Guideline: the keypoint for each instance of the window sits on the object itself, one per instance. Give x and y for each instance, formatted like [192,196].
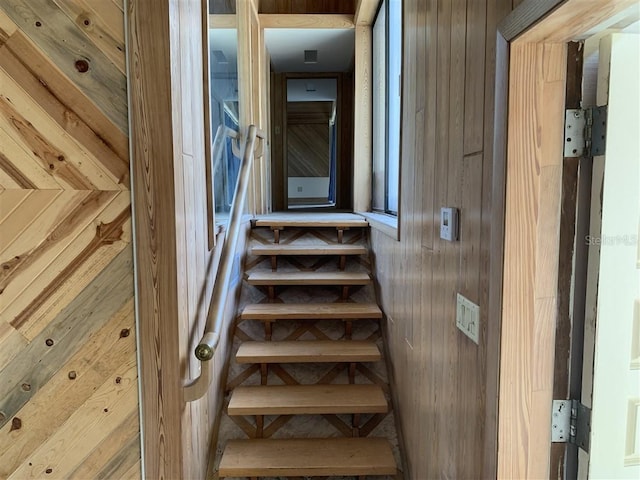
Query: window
[224,106]
[387,101]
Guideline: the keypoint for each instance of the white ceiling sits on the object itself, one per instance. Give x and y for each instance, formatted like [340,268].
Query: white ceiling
[335,49]
[286,47]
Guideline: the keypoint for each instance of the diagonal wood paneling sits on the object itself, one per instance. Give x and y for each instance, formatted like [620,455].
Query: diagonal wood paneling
[68,374]
[62,40]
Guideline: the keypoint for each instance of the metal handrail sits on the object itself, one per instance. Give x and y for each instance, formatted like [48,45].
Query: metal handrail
[205,350]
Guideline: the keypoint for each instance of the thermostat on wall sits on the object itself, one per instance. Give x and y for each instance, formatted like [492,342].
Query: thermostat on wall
[449,224]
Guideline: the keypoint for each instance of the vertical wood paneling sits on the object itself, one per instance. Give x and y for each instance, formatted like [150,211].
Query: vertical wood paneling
[68,373]
[445,390]
[474,96]
[362,125]
[175,264]
[307,6]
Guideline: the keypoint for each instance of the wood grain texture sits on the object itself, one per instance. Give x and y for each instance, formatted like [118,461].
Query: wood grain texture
[166,49]
[329,249]
[68,372]
[525,14]
[568,21]
[308,457]
[47,25]
[65,117]
[365,12]
[153,146]
[308,278]
[280,311]
[306,21]
[67,92]
[222,21]
[448,122]
[362,121]
[307,6]
[307,399]
[532,220]
[308,150]
[306,351]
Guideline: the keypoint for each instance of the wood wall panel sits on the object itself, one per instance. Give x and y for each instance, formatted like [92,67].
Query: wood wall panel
[308,150]
[176,268]
[68,373]
[446,390]
[307,6]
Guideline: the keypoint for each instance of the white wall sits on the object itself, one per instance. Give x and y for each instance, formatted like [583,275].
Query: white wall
[312,187]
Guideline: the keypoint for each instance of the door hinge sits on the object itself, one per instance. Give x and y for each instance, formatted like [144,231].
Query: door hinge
[585,132]
[571,423]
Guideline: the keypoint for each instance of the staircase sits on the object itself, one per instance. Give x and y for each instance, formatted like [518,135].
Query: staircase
[308,390]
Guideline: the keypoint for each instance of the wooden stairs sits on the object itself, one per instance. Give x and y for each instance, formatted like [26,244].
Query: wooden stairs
[353,453]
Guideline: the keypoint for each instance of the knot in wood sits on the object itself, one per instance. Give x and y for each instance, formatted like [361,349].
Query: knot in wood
[82,66]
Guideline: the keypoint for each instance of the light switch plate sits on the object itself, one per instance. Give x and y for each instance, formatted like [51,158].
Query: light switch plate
[468,318]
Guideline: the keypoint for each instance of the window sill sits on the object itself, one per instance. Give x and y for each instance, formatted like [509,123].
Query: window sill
[387,224]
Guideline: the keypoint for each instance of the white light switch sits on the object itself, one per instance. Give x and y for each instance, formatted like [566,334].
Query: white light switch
[468,318]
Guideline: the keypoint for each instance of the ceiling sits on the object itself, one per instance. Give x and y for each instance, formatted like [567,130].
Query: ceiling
[335,49]
[286,46]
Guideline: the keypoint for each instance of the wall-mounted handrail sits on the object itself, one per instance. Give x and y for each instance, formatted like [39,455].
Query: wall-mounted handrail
[205,350]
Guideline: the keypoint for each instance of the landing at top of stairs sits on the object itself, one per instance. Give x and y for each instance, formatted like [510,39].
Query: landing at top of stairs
[286,219]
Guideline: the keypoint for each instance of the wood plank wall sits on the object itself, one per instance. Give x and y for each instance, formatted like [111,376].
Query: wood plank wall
[176,269]
[307,6]
[446,388]
[68,378]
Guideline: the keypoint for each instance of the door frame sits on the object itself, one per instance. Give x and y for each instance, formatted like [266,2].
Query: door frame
[279,166]
[532,48]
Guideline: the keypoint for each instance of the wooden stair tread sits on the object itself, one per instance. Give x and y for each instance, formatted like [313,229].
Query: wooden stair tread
[308,278]
[297,249]
[308,351]
[307,399]
[302,311]
[307,457]
[338,220]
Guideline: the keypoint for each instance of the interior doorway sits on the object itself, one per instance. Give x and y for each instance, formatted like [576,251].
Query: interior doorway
[312,108]
[538,79]
[311,131]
